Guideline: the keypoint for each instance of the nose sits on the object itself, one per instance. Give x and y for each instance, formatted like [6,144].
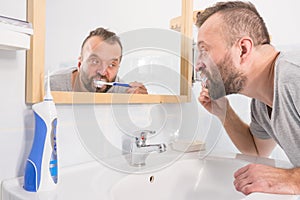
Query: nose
[102,70]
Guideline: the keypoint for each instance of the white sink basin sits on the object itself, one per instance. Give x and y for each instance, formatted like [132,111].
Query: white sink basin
[187,179]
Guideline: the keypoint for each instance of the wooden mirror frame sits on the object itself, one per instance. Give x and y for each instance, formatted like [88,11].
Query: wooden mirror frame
[36,14]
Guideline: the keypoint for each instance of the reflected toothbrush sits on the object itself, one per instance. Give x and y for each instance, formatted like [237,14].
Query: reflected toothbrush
[100,84]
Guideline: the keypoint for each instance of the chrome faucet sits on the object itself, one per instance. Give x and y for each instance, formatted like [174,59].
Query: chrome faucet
[140,150]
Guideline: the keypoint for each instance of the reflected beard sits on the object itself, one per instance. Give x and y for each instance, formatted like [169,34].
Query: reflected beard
[225,79]
[88,83]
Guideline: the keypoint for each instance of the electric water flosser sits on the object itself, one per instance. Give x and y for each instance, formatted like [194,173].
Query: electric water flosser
[41,169]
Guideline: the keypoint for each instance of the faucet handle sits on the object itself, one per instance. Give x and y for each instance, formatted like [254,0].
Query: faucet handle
[143,136]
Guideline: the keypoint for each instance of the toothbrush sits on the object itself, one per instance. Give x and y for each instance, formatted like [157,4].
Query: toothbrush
[201,79]
[101,83]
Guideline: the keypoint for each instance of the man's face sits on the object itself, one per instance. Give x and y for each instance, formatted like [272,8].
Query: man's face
[99,61]
[217,61]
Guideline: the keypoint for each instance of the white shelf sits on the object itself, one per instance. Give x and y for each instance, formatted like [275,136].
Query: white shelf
[14,34]
[12,40]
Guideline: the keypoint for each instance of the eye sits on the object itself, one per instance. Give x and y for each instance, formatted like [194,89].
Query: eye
[202,52]
[94,61]
[112,65]
[202,49]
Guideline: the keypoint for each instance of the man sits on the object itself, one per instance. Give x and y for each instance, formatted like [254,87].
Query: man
[100,58]
[235,56]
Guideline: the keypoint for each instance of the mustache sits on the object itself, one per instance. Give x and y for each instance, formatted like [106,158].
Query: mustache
[99,77]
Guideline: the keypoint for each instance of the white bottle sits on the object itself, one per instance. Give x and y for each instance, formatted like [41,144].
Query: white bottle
[41,171]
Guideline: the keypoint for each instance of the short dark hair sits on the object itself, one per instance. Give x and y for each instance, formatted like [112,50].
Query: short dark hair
[240,19]
[106,35]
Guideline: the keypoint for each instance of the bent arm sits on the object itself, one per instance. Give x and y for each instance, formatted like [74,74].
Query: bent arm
[240,134]
[238,131]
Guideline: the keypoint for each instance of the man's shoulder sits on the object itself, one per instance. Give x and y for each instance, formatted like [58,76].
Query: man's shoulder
[287,79]
[287,66]
[60,80]
[290,57]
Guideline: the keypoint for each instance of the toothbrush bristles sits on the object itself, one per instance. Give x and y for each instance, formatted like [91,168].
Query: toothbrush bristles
[98,84]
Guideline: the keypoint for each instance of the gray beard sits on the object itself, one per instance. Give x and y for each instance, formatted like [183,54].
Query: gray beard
[225,79]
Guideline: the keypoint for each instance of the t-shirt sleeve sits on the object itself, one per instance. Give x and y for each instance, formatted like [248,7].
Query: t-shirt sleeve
[255,128]
[61,79]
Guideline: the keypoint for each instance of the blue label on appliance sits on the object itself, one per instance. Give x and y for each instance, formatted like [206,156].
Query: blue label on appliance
[53,161]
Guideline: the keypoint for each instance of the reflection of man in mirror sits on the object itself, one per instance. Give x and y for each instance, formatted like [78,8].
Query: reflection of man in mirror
[101,54]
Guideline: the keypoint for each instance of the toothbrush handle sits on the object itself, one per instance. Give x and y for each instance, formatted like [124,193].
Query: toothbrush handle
[122,84]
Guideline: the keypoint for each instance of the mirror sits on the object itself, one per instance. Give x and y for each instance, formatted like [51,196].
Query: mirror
[49,51]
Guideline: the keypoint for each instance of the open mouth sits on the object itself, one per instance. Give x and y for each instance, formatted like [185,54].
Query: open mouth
[99,83]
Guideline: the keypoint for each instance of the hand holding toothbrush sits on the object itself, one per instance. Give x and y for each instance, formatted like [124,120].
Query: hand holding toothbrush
[137,88]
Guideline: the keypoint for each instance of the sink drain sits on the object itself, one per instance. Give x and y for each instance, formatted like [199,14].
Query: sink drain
[151,179]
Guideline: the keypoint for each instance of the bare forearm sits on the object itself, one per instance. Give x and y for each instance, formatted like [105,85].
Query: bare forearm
[295,181]
[239,132]
[266,179]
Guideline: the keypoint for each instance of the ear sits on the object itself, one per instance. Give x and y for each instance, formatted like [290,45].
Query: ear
[245,47]
[79,62]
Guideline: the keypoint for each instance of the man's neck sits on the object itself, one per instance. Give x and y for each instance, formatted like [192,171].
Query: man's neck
[260,84]
[74,77]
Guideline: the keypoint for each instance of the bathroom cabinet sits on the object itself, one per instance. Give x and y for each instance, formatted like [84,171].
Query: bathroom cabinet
[14,34]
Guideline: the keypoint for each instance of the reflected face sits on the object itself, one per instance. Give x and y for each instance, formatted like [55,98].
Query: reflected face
[99,61]
[217,61]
